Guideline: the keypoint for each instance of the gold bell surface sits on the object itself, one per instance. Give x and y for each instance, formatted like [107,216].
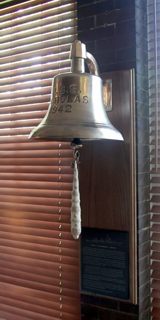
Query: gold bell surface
[76,108]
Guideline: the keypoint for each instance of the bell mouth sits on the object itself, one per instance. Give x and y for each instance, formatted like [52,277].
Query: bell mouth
[68,133]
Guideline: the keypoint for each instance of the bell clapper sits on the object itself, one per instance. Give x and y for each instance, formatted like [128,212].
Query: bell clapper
[75,207]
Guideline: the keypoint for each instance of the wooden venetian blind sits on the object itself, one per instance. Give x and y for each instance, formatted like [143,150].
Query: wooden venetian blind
[154,97]
[39,260]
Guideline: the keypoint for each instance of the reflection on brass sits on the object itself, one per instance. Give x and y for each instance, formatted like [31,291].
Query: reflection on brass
[107,94]
[76,109]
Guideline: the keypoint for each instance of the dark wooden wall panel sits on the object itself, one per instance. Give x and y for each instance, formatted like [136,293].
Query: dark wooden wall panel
[105,169]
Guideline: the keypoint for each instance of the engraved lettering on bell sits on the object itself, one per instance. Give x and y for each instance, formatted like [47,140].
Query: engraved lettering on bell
[77,98]
[63,98]
[55,98]
[63,90]
[54,109]
[68,108]
[74,89]
[85,99]
[62,108]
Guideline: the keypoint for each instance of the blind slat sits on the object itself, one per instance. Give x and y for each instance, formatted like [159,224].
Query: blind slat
[29,70]
[40,19]
[49,50]
[24,238]
[36,39]
[44,193]
[64,39]
[39,269]
[33,76]
[35,60]
[32,7]
[46,74]
[34,27]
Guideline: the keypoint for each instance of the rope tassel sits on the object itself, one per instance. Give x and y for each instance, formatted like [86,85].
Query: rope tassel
[75,208]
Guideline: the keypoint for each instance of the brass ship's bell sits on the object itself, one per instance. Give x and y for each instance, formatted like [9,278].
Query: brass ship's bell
[76,109]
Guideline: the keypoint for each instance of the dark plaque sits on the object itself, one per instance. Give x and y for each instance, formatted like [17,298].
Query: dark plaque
[105,263]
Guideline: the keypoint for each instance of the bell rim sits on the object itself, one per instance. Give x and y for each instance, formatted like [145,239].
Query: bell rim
[55,132]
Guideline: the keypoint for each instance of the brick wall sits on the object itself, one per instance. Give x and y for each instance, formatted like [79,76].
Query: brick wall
[154,94]
[143,169]
[108,29]
[115,33]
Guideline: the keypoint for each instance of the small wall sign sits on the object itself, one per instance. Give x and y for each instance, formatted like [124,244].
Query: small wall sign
[105,263]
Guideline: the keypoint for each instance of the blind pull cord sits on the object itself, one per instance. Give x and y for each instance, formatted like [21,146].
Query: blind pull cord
[60,245]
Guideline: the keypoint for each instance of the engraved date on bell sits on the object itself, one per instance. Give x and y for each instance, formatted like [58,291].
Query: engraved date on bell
[63,100]
[62,108]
